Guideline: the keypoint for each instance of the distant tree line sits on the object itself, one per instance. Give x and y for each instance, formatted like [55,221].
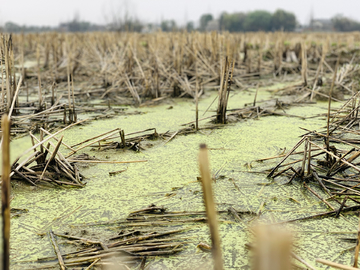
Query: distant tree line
[261,20]
[71,26]
[344,24]
[241,22]
[258,20]
[16,28]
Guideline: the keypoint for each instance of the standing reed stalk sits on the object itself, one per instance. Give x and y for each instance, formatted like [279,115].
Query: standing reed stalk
[2,80]
[196,96]
[224,90]
[257,90]
[357,247]
[39,75]
[309,157]
[329,106]
[5,190]
[6,44]
[324,51]
[22,57]
[304,64]
[68,56]
[272,249]
[305,155]
[210,206]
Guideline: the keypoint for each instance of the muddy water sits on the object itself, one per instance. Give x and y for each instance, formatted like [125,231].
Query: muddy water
[172,168]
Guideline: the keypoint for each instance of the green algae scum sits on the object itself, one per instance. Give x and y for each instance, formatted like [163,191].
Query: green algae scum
[106,175]
[169,179]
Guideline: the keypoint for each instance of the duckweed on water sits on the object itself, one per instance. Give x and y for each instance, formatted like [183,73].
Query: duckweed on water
[172,169]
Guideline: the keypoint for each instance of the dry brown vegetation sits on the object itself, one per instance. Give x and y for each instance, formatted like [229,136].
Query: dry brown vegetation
[70,70]
[49,79]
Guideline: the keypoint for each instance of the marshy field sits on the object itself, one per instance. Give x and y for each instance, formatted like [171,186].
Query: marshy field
[168,150]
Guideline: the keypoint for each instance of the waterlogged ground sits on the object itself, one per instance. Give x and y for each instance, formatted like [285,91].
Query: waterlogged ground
[172,169]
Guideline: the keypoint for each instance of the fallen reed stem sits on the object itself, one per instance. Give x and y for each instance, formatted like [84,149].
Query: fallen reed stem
[57,251]
[93,264]
[104,161]
[336,265]
[51,136]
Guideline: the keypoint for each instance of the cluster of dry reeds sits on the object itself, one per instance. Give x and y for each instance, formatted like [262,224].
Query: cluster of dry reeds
[61,73]
[329,166]
[144,234]
[329,157]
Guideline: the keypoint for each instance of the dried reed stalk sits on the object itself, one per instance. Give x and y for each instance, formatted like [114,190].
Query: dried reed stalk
[224,90]
[272,249]
[39,77]
[210,206]
[336,265]
[57,251]
[329,106]
[304,63]
[5,191]
[356,257]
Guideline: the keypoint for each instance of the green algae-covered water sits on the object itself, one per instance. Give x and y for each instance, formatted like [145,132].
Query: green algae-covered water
[172,169]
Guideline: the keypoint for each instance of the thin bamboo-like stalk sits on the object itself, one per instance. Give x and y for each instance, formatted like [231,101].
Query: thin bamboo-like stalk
[53,155]
[5,191]
[73,96]
[210,206]
[22,59]
[104,161]
[318,72]
[356,257]
[68,55]
[257,90]
[102,137]
[309,157]
[305,155]
[7,73]
[15,96]
[39,76]
[336,265]
[2,80]
[304,63]
[56,139]
[196,97]
[93,264]
[287,155]
[329,106]
[57,251]
[273,249]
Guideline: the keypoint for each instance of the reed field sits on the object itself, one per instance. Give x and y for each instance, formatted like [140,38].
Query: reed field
[167,150]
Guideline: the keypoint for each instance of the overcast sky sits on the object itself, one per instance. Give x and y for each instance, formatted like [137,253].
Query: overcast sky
[50,12]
